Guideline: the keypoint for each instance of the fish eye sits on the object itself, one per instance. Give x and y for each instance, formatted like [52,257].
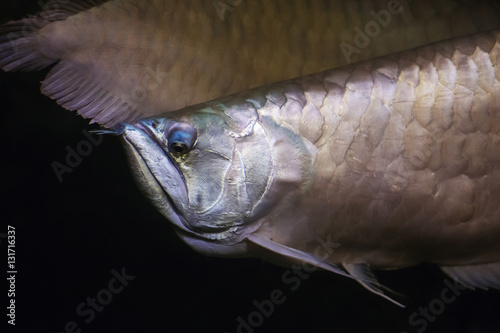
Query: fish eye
[181,139]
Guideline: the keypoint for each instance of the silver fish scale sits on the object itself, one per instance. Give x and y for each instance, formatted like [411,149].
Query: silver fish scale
[409,147]
[127,59]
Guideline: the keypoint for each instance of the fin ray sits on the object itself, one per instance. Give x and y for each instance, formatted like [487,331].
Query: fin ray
[367,279]
[296,254]
[484,276]
[74,92]
[70,87]
[19,47]
[360,273]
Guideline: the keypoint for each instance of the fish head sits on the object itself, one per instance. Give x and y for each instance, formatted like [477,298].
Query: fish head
[214,170]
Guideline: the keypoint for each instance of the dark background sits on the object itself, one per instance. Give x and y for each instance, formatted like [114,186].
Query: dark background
[70,236]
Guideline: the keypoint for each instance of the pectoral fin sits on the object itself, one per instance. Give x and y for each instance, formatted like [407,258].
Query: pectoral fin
[365,276]
[296,254]
[358,272]
[483,276]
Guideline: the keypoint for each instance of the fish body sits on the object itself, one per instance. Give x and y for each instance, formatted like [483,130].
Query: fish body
[125,59]
[393,160]
[396,160]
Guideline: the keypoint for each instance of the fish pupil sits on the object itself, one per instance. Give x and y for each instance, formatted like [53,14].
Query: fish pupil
[178,147]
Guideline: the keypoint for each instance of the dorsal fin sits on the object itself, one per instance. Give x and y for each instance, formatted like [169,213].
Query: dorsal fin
[483,276]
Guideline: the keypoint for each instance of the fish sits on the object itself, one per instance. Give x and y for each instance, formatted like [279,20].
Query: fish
[394,160]
[117,61]
[265,240]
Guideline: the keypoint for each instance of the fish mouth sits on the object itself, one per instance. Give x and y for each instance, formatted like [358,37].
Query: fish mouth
[157,176]
[140,126]
[164,185]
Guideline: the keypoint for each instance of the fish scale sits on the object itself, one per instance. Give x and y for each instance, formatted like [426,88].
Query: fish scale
[144,58]
[373,157]
[424,172]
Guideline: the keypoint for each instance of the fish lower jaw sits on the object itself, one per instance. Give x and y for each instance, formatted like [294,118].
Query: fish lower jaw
[151,187]
[214,247]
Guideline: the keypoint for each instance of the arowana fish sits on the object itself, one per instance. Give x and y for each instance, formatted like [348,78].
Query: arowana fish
[394,161]
[380,158]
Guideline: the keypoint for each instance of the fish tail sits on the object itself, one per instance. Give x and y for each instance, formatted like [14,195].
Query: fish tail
[20,47]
